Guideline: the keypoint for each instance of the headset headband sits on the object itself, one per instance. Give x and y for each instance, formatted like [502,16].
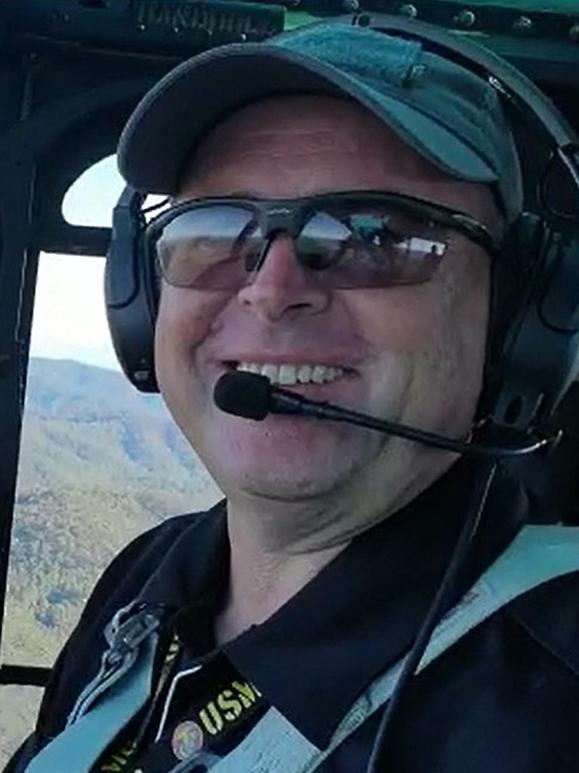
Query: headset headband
[510,82]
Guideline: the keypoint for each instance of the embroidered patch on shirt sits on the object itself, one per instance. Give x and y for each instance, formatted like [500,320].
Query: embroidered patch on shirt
[206,712]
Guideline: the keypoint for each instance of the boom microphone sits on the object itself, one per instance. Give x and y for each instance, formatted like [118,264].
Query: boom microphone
[252,396]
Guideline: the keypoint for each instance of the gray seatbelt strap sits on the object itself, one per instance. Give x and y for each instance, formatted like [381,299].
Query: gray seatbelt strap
[538,554]
[119,690]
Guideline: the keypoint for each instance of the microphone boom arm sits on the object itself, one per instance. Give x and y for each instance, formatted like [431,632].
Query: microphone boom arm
[282,401]
[252,396]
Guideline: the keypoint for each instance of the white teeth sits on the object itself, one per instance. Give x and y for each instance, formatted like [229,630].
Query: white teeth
[318,375]
[330,374]
[287,375]
[251,367]
[271,372]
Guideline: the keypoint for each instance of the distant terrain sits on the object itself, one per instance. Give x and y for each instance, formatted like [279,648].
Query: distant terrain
[99,464]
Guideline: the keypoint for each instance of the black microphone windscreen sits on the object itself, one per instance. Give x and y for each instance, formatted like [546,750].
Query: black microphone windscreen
[243,394]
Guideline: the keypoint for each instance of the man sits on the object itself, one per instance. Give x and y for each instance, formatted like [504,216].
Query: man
[316,575]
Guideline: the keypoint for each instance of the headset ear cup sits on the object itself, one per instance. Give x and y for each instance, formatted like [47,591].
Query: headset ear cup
[131,293]
[538,356]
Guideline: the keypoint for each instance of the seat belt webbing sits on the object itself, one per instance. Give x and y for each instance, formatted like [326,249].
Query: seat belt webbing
[79,746]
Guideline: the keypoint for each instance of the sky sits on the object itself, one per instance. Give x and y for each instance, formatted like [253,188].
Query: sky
[69,313]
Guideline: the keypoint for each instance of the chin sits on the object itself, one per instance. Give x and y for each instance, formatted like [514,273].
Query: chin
[291,467]
[290,488]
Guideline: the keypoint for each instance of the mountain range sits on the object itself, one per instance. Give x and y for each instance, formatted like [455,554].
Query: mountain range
[99,464]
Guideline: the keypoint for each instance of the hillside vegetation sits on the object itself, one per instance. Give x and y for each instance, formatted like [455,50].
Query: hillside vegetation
[99,464]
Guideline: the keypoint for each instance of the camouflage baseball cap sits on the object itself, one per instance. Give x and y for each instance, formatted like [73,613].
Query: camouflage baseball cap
[447,113]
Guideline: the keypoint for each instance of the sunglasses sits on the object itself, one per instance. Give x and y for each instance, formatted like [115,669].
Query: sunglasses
[352,239]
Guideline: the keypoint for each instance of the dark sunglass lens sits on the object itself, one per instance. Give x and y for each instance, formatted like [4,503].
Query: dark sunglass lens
[321,241]
[204,247]
[372,246]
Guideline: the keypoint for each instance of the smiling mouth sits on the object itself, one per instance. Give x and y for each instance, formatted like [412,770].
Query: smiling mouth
[285,374]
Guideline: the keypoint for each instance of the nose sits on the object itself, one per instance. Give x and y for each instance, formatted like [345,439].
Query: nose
[282,287]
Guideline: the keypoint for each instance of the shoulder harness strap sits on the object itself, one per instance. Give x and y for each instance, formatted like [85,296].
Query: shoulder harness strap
[110,700]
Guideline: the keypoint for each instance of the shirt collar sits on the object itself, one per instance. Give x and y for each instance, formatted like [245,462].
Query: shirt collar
[194,567]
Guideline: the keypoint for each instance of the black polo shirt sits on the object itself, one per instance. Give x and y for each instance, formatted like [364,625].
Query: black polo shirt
[504,699]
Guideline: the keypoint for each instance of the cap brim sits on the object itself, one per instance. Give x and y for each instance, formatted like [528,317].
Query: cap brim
[178,111]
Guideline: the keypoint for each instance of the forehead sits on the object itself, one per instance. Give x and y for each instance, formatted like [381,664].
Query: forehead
[297,145]
[293,130]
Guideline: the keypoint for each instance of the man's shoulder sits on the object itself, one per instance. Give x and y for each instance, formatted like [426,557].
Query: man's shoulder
[153,556]
[550,615]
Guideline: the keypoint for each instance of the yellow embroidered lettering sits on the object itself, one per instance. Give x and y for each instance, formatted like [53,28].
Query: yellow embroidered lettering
[118,761]
[111,767]
[245,692]
[214,723]
[231,707]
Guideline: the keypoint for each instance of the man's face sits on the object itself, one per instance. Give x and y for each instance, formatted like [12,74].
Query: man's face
[412,354]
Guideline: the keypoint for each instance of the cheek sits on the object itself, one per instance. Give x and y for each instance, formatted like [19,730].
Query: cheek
[184,321]
[454,362]
[466,321]
[397,319]
[427,343]
[398,328]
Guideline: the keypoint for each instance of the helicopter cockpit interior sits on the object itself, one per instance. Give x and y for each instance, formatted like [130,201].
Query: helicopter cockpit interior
[71,71]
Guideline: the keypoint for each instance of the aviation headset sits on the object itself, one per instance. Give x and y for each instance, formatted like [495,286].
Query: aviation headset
[533,348]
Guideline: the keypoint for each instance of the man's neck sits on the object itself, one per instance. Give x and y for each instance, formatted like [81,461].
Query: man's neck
[257,592]
[265,573]
[277,547]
